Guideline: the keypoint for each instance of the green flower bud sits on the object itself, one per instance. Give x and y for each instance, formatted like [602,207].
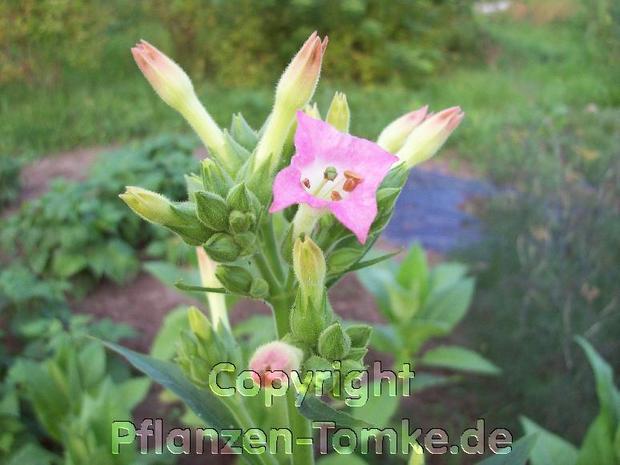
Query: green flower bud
[236,279]
[308,319]
[339,114]
[211,210]
[198,323]
[150,206]
[240,222]
[312,110]
[246,242]
[242,132]
[187,226]
[310,269]
[334,343]
[359,334]
[222,247]
[242,199]
[215,178]
[259,288]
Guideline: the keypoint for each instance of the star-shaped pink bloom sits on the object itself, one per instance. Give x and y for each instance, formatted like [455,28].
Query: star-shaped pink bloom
[333,171]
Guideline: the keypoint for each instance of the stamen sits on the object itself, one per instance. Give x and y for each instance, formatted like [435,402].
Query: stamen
[335,195]
[330,173]
[353,180]
[306,182]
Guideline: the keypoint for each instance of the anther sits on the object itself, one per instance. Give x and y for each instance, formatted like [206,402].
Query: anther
[336,196]
[306,182]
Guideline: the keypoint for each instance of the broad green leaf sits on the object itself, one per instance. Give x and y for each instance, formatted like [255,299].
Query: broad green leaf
[458,358]
[378,409]
[32,454]
[413,272]
[608,396]
[517,456]
[337,459]
[66,264]
[445,275]
[427,380]
[377,281]
[164,345]
[315,409]
[449,305]
[384,338]
[597,446]
[133,391]
[550,449]
[92,363]
[205,404]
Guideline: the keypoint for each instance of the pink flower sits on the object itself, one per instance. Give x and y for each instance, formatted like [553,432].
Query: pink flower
[333,171]
[275,361]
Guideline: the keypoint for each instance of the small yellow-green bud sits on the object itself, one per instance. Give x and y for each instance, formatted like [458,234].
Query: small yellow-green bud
[310,269]
[215,178]
[312,110]
[198,323]
[338,114]
[334,343]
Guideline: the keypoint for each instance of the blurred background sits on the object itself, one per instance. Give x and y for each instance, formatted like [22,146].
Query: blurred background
[529,185]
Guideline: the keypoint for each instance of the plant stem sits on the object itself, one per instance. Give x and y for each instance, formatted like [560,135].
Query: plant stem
[300,426]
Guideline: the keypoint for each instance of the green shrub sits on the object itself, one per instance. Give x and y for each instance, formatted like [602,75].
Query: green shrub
[82,231]
[239,41]
[9,179]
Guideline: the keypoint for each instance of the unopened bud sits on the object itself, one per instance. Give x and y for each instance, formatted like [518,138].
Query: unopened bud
[394,135]
[211,210]
[215,178]
[339,115]
[425,140]
[359,334]
[242,199]
[222,247]
[198,323]
[275,361]
[246,242]
[259,288]
[334,343]
[240,222]
[312,110]
[297,84]
[310,269]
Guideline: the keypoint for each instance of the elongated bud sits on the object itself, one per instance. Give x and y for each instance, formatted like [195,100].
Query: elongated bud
[334,343]
[175,88]
[221,247]
[198,323]
[176,216]
[275,361]
[211,210]
[310,269]
[217,302]
[338,114]
[394,135]
[294,90]
[425,140]
[297,84]
[168,79]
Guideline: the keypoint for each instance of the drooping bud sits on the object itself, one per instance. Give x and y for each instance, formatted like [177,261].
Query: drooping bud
[338,114]
[179,217]
[310,268]
[222,247]
[214,178]
[211,210]
[275,361]
[297,84]
[334,343]
[394,135]
[425,140]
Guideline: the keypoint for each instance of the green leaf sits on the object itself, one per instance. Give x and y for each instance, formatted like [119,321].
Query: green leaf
[427,380]
[175,322]
[458,358]
[378,409]
[517,456]
[204,403]
[315,409]
[597,446]
[133,391]
[373,261]
[413,272]
[449,305]
[66,265]
[608,396]
[384,338]
[550,449]
[188,287]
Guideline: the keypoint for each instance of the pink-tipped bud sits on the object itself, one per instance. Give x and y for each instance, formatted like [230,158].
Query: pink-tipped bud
[394,135]
[170,82]
[273,361]
[426,139]
[297,84]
